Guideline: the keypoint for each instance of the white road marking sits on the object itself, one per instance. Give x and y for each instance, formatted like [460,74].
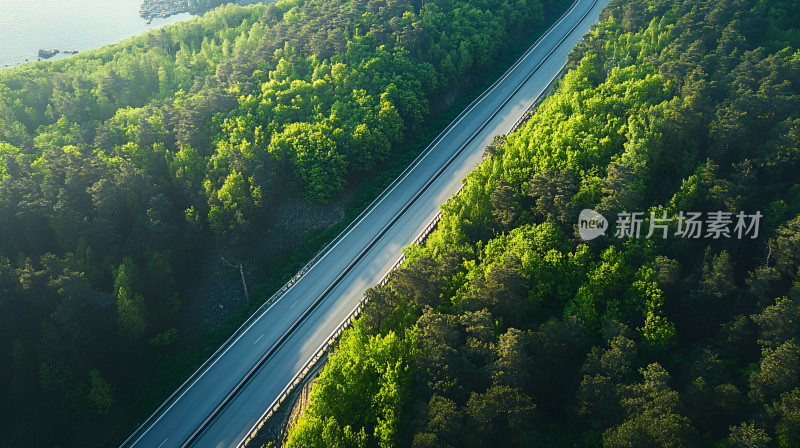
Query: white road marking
[259,338]
[190,382]
[162,443]
[293,304]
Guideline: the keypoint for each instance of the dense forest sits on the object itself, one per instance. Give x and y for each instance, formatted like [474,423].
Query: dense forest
[119,165]
[506,328]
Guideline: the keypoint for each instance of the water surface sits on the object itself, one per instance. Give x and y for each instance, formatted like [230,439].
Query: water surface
[28,25]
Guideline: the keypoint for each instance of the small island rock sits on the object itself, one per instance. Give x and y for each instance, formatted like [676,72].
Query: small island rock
[47,53]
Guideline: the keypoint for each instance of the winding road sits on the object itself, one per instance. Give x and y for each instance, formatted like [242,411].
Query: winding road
[220,404]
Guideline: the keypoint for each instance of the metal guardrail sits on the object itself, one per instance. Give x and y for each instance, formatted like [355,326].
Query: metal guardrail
[545,93]
[278,294]
[320,352]
[309,365]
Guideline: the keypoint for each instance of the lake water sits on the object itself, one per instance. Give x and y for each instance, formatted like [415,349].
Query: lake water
[28,25]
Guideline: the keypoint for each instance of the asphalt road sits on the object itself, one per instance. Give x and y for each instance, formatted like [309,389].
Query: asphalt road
[204,412]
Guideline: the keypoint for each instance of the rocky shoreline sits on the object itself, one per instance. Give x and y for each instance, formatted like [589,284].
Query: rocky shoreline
[47,54]
[152,9]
